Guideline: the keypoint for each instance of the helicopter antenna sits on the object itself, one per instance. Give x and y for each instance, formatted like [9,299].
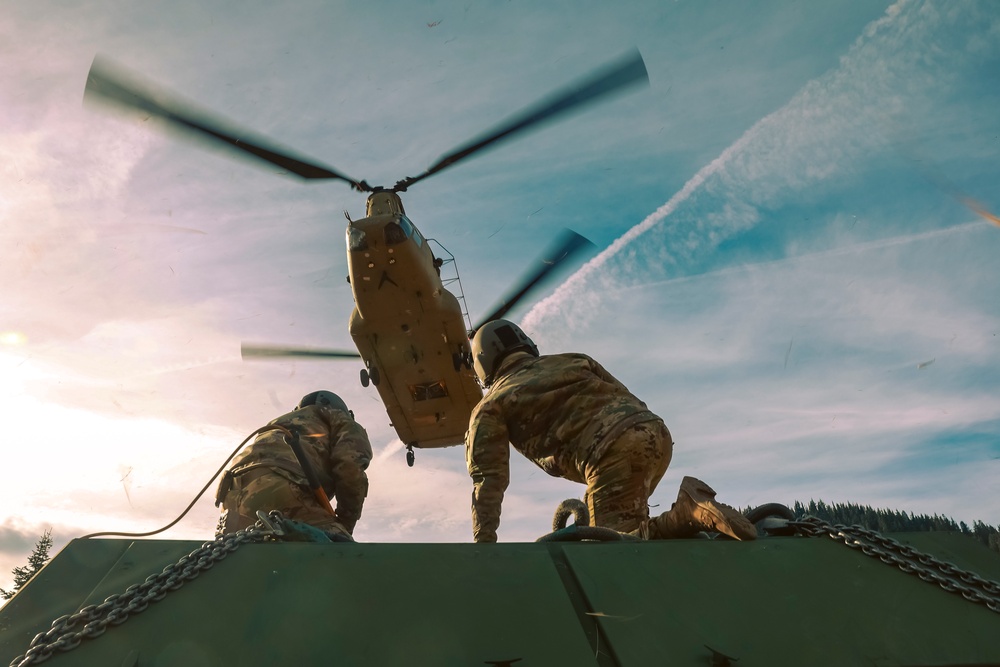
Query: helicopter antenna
[614,78]
[114,85]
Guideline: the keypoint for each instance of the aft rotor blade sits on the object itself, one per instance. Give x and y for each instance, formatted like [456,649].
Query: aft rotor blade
[267,351]
[567,246]
[614,78]
[112,84]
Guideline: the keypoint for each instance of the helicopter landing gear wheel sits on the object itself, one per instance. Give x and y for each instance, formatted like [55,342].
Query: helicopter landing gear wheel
[410,456]
[375,376]
[365,378]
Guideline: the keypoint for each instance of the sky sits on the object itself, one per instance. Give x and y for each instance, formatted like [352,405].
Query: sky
[795,264]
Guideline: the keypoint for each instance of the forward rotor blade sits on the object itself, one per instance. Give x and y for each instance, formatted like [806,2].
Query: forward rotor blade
[614,78]
[568,245]
[248,351]
[112,84]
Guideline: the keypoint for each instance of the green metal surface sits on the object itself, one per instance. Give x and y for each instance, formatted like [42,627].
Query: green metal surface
[305,604]
[783,601]
[776,601]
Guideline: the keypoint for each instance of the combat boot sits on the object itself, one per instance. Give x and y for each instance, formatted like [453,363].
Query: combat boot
[697,510]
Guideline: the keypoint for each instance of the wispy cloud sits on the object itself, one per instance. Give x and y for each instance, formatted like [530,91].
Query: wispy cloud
[810,145]
[839,409]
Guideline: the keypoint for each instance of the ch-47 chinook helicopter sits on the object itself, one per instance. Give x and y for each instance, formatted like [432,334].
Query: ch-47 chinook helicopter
[410,330]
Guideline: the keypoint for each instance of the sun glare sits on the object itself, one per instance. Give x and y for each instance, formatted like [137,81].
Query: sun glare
[12,338]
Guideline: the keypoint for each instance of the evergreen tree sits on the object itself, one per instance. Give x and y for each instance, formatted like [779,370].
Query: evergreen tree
[36,560]
[894,521]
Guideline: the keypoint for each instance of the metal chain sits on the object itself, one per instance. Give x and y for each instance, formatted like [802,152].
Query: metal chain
[116,609]
[952,579]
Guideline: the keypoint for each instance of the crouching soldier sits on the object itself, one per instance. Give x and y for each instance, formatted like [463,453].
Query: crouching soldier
[267,475]
[575,420]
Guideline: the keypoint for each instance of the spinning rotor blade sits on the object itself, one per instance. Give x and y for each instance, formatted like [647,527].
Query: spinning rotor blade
[976,208]
[568,245]
[111,84]
[265,351]
[612,79]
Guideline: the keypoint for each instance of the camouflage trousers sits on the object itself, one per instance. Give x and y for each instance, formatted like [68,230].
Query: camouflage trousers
[265,490]
[620,483]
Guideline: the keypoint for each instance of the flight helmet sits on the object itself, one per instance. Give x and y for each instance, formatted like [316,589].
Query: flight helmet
[324,398]
[494,341]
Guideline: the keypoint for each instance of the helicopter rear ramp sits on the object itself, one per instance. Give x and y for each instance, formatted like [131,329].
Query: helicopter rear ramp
[775,601]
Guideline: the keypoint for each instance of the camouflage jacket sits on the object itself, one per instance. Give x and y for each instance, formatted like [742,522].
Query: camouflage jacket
[335,444]
[560,411]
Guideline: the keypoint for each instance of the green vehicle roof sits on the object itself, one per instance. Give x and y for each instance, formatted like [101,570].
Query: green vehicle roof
[775,601]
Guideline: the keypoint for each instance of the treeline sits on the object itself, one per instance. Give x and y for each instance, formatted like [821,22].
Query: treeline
[893,521]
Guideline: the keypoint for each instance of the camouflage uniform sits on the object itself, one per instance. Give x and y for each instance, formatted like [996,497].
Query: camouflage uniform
[574,420]
[267,476]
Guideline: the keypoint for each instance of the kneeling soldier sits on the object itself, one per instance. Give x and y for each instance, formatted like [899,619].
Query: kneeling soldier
[267,475]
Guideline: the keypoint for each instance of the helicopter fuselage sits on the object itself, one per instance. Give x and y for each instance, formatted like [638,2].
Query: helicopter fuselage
[408,328]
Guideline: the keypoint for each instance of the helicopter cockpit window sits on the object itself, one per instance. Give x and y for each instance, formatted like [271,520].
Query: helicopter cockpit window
[414,232]
[394,234]
[356,239]
[428,390]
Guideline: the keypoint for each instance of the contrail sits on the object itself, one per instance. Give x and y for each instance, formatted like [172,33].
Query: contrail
[812,142]
[853,249]
[576,282]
